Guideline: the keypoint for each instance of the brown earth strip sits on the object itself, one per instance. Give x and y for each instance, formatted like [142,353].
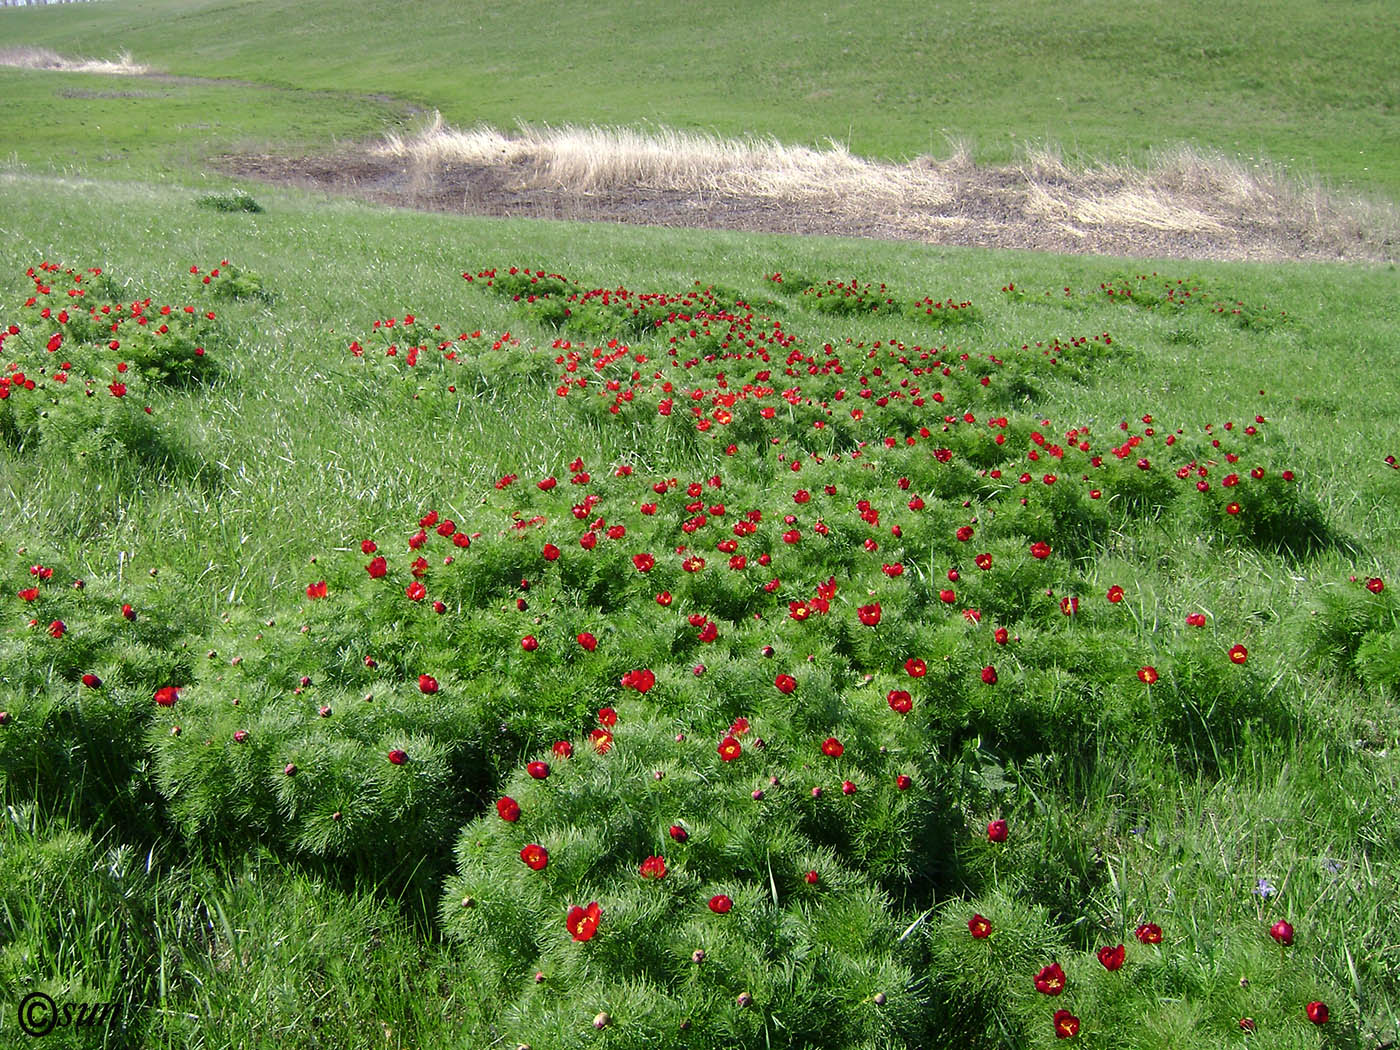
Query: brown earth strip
[1039,209]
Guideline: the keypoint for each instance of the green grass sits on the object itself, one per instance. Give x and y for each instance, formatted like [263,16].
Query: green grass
[1291,83]
[166,128]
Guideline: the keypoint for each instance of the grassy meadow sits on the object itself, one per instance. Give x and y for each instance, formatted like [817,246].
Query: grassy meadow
[1289,84]
[431,631]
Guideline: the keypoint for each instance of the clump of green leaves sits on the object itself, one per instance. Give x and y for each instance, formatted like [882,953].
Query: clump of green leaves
[227,281]
[235,201]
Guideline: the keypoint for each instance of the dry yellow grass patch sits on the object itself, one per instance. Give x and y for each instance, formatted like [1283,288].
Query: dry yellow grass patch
[1184,202]
[603,160]
[43,58]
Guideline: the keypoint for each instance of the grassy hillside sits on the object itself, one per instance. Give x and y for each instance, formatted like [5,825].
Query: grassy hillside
[430,631]
[1294,82]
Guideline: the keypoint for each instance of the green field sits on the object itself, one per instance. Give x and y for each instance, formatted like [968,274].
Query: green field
[830,578]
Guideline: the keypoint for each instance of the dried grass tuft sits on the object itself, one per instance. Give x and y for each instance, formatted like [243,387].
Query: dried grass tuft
[43,58]
[595,160]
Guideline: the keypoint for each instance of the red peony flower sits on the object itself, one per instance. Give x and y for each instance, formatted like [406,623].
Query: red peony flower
[1147,674]
[997,831]
[1196,620]
[979,927]
[1149,933]
[1317,1012]
[989,675]
[869,614]
[427,683]
[416,591]
[915,667]
[587,640]
[1001,636]
[398,756]
[167,696]
[1066,1024]
[582,923]
[92,681]
[983,561]
[563,749]
[1050,980]
[550,552]
[127,611]
[529,643]
[1375,585]
[786,683]
[653,868]
[640,680]
[1282,931]
[729,749]
[720,904]
[1069,606]
[1115,593]
[643,562]
[601,740]
[607,716]
[833,748]
[538,770]
[1040,550]
[535,857]
[58,628]
[377,567]
[368,546]
[1112,958]
[316,590]
[900,701]
[29,594]
[678,833]
[902,782]
[1238,654]
[508,809]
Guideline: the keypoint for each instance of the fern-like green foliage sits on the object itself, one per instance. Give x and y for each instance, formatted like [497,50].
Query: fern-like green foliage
[798,960]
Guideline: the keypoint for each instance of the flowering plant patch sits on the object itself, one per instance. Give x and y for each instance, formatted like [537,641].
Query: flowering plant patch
[227,281]
[741,700]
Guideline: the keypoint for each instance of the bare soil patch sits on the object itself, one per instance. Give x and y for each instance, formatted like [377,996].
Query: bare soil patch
[1186,206]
